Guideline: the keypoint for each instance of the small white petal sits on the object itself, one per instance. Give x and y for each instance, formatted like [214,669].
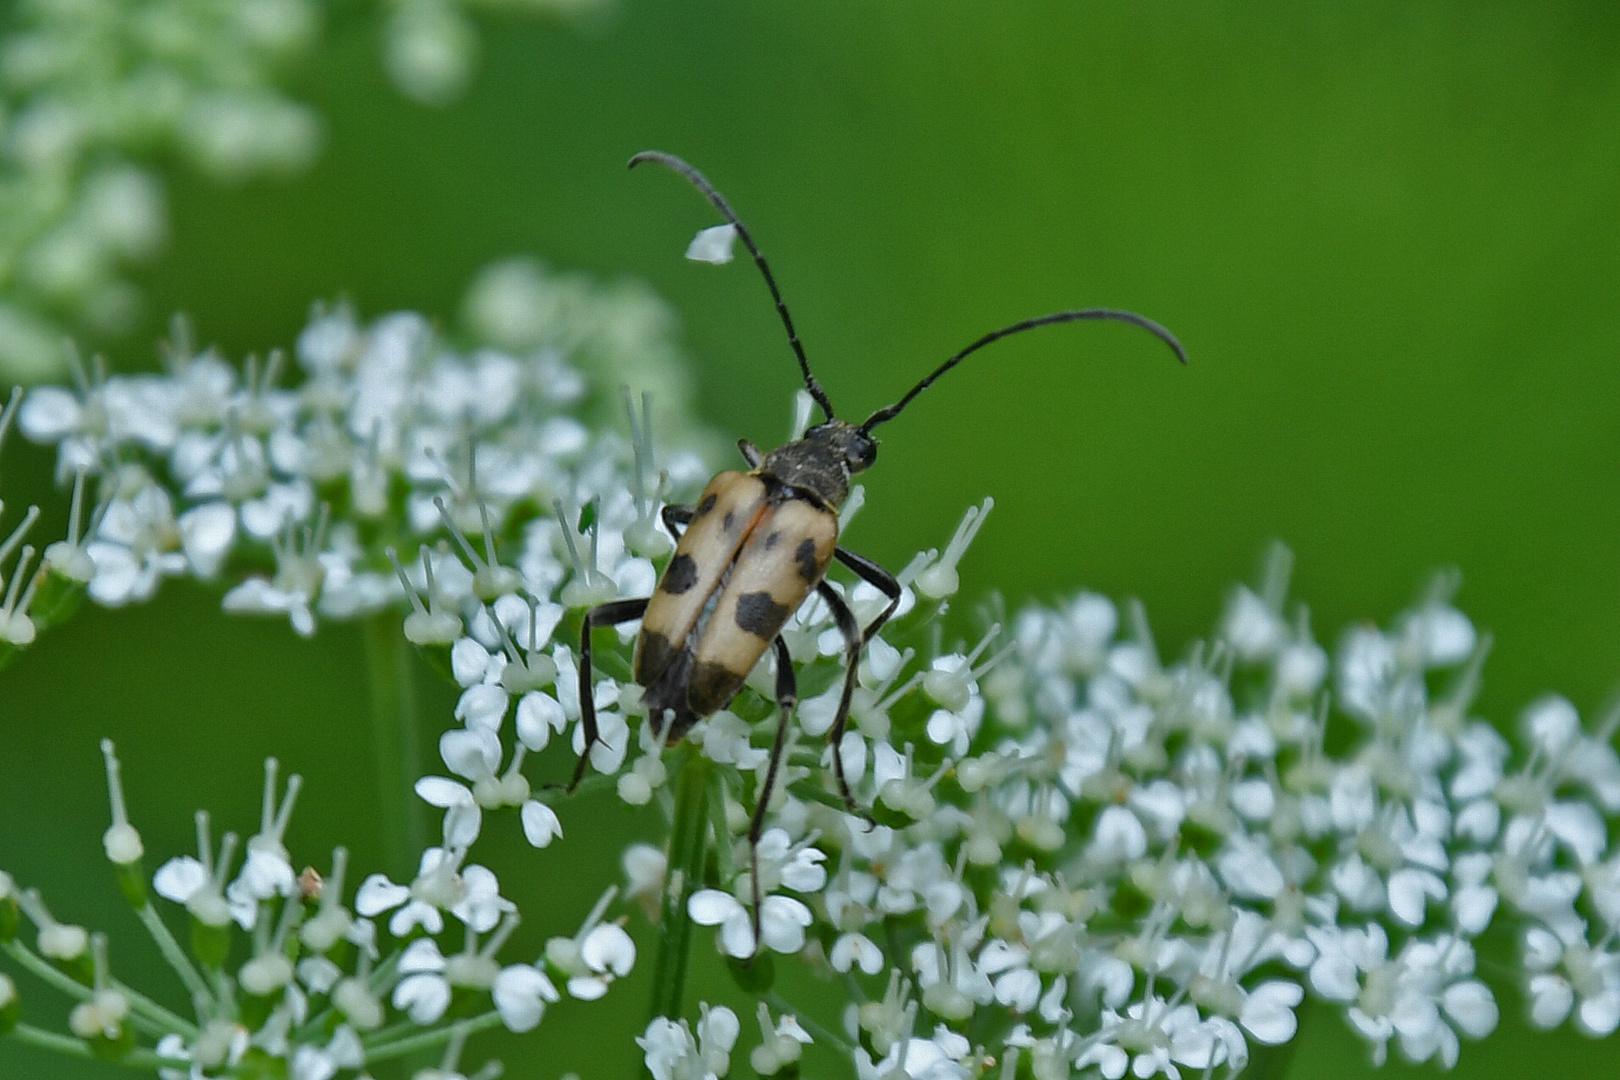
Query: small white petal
[539,716]
[587,987]
[463,820]
[1471,1007]
[713,245]
[1409,891]
[711,907]
[206,533]
[180,878]
[440,792]
[49,414]
[718,1030]
[1333,975]
[424,997]
[607,948]
[1268,1011]
[520,994]
[737,935]
[540,823]
[1119,835]
[1600,1015]
[1551,998]
[482,706]
[468,662]
[473,753]
[377,894]
[782,923]
[855,950]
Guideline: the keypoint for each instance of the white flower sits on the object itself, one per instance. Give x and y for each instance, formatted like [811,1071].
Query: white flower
[939,1058]
[855,950]
[1565,974]
[797,867]
[422,990]
[521,993]
[607,954]
[673,1053]
[782,922]
[472,895]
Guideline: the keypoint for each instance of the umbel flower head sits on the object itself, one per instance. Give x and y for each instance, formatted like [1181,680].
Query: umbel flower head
[1069,855]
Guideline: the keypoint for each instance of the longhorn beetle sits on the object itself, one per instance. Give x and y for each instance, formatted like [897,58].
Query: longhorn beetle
[756,544]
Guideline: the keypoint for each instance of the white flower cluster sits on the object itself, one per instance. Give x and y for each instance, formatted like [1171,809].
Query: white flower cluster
[390,435]
[390,438]
[1112,864]
[325,988]
[1069,855]
[91,89]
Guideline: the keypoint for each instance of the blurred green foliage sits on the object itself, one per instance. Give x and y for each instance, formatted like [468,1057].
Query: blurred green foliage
[1388,233]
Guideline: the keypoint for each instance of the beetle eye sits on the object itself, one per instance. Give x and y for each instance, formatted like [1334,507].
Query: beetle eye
[862,453]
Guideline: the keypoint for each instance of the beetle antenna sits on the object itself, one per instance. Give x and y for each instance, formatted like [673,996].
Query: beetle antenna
[699,181]
[885,415]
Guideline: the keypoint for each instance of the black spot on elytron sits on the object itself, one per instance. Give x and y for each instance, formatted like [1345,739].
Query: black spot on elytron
[704,507]
[809,565]
[771,540]
[680,575]
[654,654]
[761,615]
[729,522]
[712,687]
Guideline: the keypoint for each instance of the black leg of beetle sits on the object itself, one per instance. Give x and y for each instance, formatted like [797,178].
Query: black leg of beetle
[610,614]
[877,577]
[855,640]
[852,659]
[750,453]
[787,696]
[676,515]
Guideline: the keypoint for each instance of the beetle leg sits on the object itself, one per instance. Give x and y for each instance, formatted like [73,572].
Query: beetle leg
[852,660]
[750,453]
[676,515]
[877,577]
[787,696]
[609,614]
[855,640]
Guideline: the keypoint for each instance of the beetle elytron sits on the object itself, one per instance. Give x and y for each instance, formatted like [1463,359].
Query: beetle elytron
[756,544]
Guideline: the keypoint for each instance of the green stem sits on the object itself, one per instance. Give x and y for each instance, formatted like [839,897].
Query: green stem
[67,1045]
[194,983]
[824,1035]
[432,1037]
[71,1046]
[688,836]
[395,743]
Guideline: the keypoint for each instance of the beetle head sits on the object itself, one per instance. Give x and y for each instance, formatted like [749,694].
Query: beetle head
[821,463]
[856,447]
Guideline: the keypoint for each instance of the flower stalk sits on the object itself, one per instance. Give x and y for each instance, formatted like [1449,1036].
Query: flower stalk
[396,742]
[689,832]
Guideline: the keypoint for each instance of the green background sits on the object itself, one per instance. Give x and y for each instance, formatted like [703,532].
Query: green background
[1386,232]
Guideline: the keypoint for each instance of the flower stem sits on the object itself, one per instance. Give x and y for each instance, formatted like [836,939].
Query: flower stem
[432,1037]
[687,837]
[395,743]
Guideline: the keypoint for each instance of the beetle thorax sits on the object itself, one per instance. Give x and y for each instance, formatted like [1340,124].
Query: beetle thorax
[819,465]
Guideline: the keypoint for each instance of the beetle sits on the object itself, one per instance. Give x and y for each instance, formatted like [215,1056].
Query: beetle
[756,545]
